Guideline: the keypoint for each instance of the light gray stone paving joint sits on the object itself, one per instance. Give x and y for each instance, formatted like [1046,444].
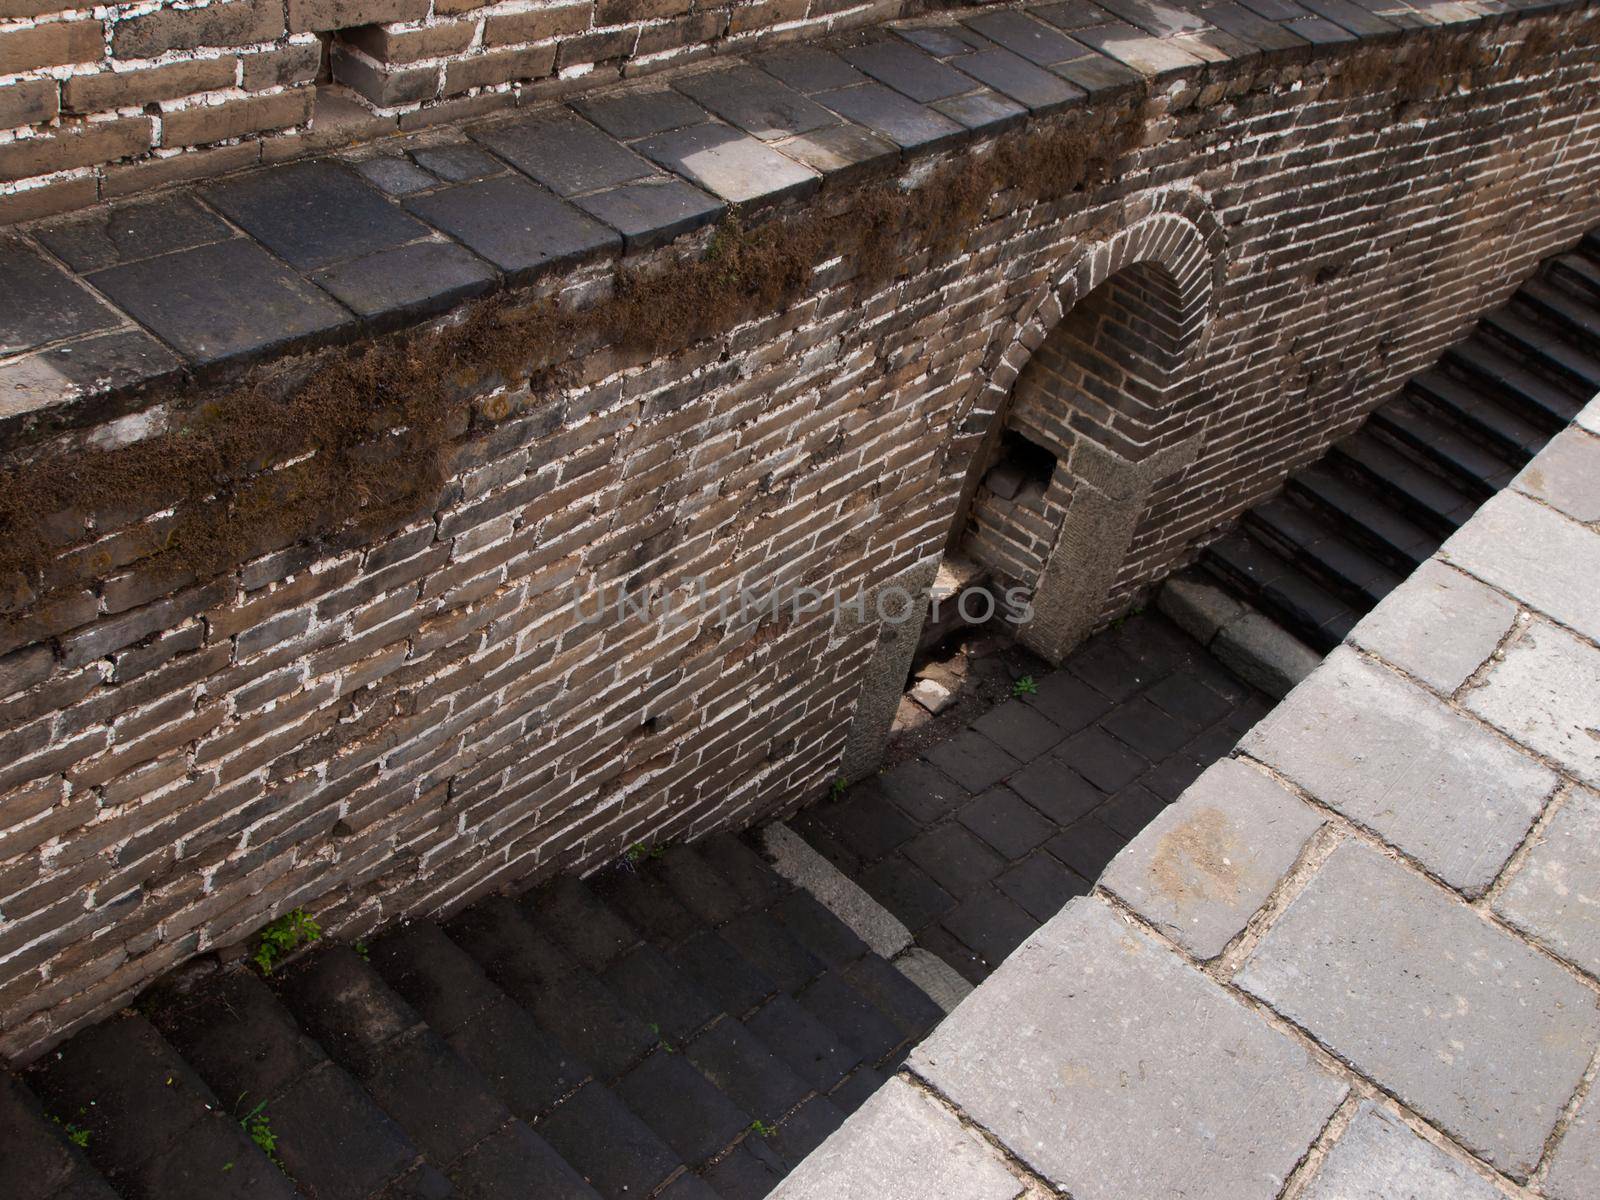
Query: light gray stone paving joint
[901,1145]
[1555,894]
[1397,760]
[1113,1069]
[1468,1026]
[1574,1172]
[1545,693]
[1379,1158]
[1202,868]
[1566,475]
[1440,627]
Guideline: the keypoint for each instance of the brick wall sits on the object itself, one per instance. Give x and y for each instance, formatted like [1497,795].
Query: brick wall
[102,101]
[402,725]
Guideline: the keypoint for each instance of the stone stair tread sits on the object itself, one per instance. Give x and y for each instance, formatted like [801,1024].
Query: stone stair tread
[1469,465]
[806,1045]
[1509,431]
[855,1019]
[683,1107]
[803,1130]
[1365,515]
[700,888]
[38,1162]
[660,993]
[514,1163]
[647,904]
[906,1005]
[154,1128]
[1582,272]
[1316,545]
[1280,589]
[527,1068]
[688,1186]
[566,911]
[565,1000]
[740,1175]
[758,885]
[818,930]
[1429,496]
[333,1140]
[741,1065]
[761,939]
[1553,351]
[619,1156]
[1581,320]
[1541,400]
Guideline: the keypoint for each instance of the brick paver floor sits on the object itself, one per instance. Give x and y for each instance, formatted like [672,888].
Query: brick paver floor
[981,838]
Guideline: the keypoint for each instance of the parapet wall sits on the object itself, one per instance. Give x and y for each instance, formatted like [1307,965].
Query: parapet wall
[310,637]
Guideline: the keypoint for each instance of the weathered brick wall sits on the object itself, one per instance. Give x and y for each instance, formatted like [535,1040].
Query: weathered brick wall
[102,101]
[401,725]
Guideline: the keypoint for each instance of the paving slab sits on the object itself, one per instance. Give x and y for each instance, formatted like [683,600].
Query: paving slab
[1014,76]
[1395,759]
[809,69]
[1155,18]
[639,112]
[908,70]
[395,176]
[1574,1172]
[314,214]
[43,303]
[408,281]
[568,155]
[653,211]
[1203,868]
[1115,1041]
[1555,894]
[901,1145]
[1462,1022]
[223,302]
[1379,1158]
[518,226]
[1566,475]
[840,152]
[1440,627]
[984,111]
[1151,56]
[119,233]
[730,164]
[457,164]
[756,102]
[1545,693]
[1025,36]
[941,41]
[1532,552]
[85,366]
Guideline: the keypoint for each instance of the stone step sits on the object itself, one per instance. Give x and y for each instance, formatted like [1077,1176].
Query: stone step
[1421,494]
[331,1137]
[1364,515]
[446,1107]
[1550,349]
[1502,428]
[1576,314]
[1538,399]
[1578,274]
[1318,548]
[1469,466]
[39,1159]
[1280,590]
[148,1122]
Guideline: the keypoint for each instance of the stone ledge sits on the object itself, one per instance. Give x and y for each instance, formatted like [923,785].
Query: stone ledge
[199,283]
[1284,986]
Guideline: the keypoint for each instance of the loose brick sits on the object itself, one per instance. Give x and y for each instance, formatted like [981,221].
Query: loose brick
[409,45]
[281,68]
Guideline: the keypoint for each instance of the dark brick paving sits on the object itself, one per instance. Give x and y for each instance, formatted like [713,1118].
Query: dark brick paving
[981,838]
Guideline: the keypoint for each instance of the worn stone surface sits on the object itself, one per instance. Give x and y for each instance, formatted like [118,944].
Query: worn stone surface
[1199,609]
[1379,1158]
[1261,651]
[907,124]
[517,225]
[1545,693]
[1554,896]
[904,1146]
[1113,1040]
[650,212]
[1574,1172]
[1425,779]
[1566,475]
[1462,1022]
[1206,864]
[1533,552]
[44,304]
[565,154]
[408,280]
[119,233]
[729,164]
[1440,627]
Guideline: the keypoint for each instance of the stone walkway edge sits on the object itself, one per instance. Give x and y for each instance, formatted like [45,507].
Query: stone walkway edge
[1359,958]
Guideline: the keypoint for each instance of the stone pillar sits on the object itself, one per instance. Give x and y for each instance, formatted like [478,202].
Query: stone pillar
[884,679]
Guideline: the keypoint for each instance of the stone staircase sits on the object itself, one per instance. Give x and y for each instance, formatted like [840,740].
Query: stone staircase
[1347,529]
[686,1027]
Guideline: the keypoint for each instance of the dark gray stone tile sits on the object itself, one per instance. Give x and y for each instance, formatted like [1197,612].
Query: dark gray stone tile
[908,70]
[955,859]
[682,1106]
[1101,759]
[942,41]
[1252,27]
[906,891]
[313,214]
[112,235]
[922,791]
[409,281]
[396,176]
[730,164]
[639,113]
[990,924]
[1100,76]
[840,152]
[515,1161]
[756,102]
[972,760]
[1150,730]
[1041,885]
[651,212]
[1019,730]
[1087,846]
[1021,34]
[984,112]
[1059,794]
[457,164]
[1154,17]
[1072,14]
[809,69]
[43,303]
[88,366]
[223,302]
[909,125]
[806,1046]
[517,225]
[1005,822]
[1014,76]
[736,1061]
[616,1152]
[566,154]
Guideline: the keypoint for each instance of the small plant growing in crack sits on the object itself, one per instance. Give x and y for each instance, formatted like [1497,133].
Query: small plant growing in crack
[661,1039]
[76,1134]
[764,1128]
[258,1126]
[641,852]
[837,790]
[1025,687]
[283,937]
[361,950]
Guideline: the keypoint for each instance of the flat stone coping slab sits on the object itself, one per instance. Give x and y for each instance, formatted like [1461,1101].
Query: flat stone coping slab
[1357,961]
[291,257]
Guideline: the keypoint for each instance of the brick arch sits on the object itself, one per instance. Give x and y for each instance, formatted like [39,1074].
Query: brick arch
[1087,407]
